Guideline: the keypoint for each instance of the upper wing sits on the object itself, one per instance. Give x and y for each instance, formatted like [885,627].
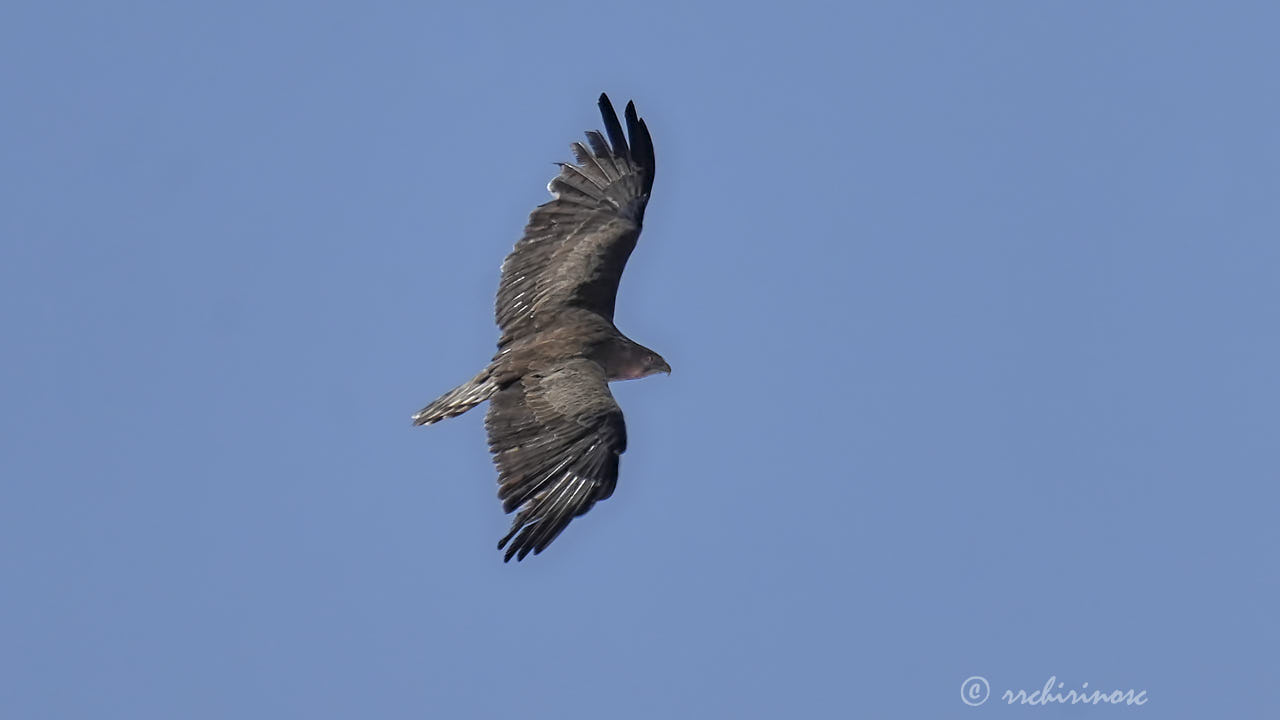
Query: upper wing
[575,246]
[555,436]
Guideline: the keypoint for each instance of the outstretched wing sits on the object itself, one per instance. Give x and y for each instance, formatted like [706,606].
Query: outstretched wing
[555,436]
[575,247]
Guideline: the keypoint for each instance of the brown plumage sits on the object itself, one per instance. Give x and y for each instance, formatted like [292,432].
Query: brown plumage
[554,428]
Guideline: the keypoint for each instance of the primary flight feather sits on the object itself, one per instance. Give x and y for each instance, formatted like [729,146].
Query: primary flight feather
[554,428]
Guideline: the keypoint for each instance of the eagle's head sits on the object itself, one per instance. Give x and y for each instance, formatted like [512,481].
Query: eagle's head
[627,360]
[653,364]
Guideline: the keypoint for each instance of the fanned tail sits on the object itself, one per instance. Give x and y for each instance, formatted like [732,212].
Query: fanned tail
[458,400]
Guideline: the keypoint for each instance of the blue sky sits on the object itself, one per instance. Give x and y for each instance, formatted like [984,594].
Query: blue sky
[972,311]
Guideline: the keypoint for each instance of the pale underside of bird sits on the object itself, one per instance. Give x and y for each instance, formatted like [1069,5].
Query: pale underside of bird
[554,428]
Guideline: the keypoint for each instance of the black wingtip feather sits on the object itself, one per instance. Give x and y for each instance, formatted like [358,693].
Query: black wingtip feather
[503,543]
[641,145]
[611,125]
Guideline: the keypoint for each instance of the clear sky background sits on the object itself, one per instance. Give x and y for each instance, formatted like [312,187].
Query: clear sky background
[972,310]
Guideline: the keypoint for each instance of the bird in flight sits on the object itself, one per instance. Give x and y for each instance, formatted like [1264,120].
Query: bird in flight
[555,430]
